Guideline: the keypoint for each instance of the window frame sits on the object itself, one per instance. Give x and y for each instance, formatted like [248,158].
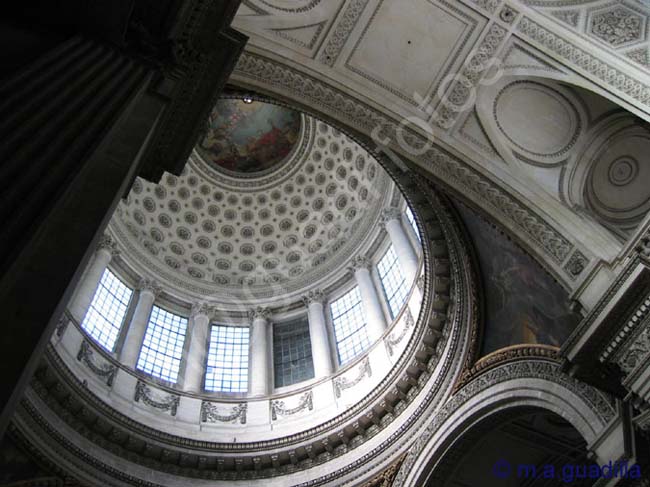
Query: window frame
[413,230]
[402,287]
[244,352]
[362,328]
[164,332]
[119,328]
[297,319]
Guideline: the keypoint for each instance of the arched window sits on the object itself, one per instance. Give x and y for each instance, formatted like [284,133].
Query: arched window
[227,365]
[349,325]
[392,281]
[162,347]
[107,310]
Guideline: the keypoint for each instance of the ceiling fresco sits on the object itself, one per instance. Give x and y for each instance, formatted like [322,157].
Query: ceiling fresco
[523,304]
[248,138]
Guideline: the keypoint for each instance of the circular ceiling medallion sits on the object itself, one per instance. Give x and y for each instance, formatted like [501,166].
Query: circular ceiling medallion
[622,171]
[546,128]
[248,138]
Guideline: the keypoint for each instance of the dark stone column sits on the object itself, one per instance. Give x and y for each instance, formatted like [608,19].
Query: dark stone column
[77,124]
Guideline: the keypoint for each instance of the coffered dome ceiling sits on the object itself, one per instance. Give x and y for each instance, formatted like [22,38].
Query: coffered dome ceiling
[266,206]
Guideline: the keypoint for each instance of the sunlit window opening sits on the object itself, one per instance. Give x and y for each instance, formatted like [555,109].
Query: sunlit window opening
[162,347]
[107,310]
[411,218]
[393,281]
[227,367]
[349,325]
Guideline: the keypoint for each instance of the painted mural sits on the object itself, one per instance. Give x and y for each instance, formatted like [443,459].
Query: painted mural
[523,304]
[250,137]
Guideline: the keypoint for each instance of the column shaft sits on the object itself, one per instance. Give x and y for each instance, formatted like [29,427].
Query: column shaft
[375,318]
[195,362]
[258,374]
[320,347]
[137,328]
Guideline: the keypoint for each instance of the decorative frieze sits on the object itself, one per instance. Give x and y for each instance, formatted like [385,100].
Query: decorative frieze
[342,31]
[394,339]
[62,325]
[637,352]
[168,403]
[576,264]
[210,413]
[106,371]
[342,383]
[279,408]
[586,61]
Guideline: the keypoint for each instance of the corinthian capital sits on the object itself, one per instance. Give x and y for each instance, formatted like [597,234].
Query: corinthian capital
[315,296]
[200,308]
[259,313]
[106,242]
[360,262]
[388,214]
[150,285]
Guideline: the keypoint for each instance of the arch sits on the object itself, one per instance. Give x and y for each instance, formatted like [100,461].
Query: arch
[523,384]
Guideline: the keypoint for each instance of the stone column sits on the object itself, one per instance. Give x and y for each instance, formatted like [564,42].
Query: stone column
[320,346]
[259,370]
[375,318]
[138,326]
[391,219]
[199,329]
[83,295]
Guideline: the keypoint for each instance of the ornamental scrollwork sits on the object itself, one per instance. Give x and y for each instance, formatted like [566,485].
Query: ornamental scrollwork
[598,402]
[106,242]
[62,325]
[150,285]
[316,296]
[278,407]
[342,383]
[210,413]
[360,262]
[394,339]
[169,403]
[637,352]
[259,313]
[388,214]
[106,371]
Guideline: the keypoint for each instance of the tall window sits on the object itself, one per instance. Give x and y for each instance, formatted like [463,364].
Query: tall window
[349,325]
[411,218]
[227,368]
[292,360]
[393,281]
[162,347]
[106,313]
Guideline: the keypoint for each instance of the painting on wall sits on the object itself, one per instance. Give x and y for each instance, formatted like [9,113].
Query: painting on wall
[248,137]
[523,304]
